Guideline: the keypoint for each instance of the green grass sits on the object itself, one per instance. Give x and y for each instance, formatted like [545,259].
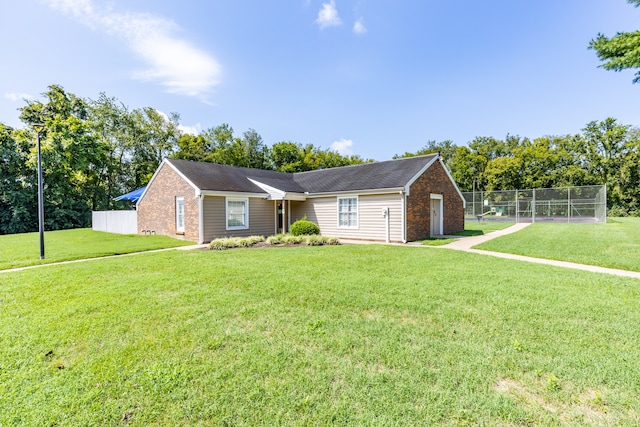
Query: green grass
[22,250]
[437,241]
[615,244]
[471,228]
[342,335]
[475,228]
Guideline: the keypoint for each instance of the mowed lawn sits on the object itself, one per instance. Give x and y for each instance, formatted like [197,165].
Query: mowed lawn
[347,335]
[473,228]
[21,250]
[615,244]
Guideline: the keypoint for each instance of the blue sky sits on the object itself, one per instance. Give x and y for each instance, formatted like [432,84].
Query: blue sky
[368,77]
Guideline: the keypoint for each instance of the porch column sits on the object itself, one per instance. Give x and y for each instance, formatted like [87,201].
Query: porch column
[284,223]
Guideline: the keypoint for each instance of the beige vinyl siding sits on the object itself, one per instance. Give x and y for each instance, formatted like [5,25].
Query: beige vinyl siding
[261,218]
[371,224]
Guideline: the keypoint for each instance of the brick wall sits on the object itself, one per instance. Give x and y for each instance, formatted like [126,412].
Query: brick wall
[436,181]
[157,209]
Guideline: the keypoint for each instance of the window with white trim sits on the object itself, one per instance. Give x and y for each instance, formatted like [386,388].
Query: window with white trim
[180,214]
[348,212]
[237,214]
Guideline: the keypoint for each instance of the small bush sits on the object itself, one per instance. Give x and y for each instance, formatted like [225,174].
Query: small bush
[617,211]
[279,239]
[289,239]
[235,242]
[313,240]
[331,240]
[276,240]
[302,227]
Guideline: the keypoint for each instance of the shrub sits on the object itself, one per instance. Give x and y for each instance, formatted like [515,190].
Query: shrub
[331,240]
[235,242]
[303,227]
[289,239]
[315,240]
[276,240]
[617,211]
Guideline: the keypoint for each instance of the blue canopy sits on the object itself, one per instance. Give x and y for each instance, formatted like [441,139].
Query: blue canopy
[132,196]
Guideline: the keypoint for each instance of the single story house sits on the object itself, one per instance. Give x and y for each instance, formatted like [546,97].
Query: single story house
[395,201]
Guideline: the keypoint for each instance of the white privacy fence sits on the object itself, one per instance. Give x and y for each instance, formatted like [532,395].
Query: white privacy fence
[567,204]
[120,222]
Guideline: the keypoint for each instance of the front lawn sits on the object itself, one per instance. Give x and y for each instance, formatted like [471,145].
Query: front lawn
[342,335]
[475,228]
[21,250]
[615,244]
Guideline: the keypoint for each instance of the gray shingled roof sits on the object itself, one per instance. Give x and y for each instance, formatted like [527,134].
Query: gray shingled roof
[215,177]
[387,174]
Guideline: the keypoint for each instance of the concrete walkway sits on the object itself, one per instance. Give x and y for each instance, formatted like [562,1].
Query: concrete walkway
[466,243]
[176,248]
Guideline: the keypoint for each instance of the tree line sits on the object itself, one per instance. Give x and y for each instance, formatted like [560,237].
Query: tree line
[96,150]
[605,152]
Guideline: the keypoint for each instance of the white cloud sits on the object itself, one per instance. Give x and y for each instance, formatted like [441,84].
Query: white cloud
[191,130]
[359,28]
[16,96]
[328,15]
[174,63]
[344,146]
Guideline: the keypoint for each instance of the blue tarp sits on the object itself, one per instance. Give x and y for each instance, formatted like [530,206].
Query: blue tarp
[132,196]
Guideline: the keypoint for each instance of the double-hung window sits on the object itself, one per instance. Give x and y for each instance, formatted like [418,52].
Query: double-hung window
[237,214]
[180,214]
[348,212]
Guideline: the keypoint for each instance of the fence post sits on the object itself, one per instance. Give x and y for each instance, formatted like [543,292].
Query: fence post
[569,204]
[533,207]
[517,207]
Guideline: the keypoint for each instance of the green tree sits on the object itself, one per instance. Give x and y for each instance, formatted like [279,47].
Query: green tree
[446,149]
[112,123]
[604,147]
[629,179]
[538,160]
[503,173]
[619,52]
[72,158]
[287,157]
[467,168]
[192,147]
[154,137]
[18,196]
[489,147]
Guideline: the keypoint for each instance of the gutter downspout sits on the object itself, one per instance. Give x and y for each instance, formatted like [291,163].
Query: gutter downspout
[403,195]
[201,218]
[387,232]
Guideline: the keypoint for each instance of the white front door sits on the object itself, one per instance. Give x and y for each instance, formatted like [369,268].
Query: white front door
[436,216]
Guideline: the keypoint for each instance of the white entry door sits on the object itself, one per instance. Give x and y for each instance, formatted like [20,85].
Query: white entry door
[436,215]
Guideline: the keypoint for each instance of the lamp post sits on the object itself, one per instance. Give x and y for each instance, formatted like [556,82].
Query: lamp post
[473,205]
[38,128]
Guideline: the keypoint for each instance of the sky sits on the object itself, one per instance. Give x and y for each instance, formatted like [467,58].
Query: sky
[367,77]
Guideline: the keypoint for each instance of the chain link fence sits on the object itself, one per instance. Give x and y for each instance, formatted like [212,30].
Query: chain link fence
[567,204]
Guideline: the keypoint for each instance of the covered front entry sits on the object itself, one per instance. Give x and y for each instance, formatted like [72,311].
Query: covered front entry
[436,215]
[283,216]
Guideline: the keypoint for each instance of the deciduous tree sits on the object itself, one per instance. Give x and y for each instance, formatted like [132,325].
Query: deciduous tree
[619,52]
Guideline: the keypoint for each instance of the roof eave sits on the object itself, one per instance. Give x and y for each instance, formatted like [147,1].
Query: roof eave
[221,193]
[371,191]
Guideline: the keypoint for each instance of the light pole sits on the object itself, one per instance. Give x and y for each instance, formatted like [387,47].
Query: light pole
[474,198]
[38,128]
